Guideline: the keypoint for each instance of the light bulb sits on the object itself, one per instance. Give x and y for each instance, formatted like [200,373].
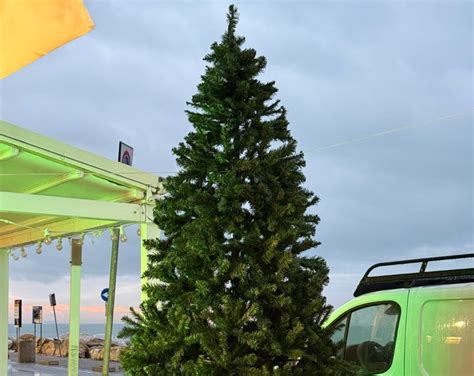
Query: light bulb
[23,252]
[81,239]
[15,257]
[38,248]
[59,246]
[47,239]
[139,232]
[123,236]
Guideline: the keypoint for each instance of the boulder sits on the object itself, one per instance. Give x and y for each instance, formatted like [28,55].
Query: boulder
[95,341]
[14,344]
[84,337]
[115,353]
[83,350]
[65,347]
[40,342]
[97,353]
[89,346]
[51,348]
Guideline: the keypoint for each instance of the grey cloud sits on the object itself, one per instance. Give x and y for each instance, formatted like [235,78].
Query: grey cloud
[344,70]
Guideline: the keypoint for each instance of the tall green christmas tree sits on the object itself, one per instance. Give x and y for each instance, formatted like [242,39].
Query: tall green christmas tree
[230,292]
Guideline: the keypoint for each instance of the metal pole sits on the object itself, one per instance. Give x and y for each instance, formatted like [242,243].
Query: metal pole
[4,264]
[56,322]
[75,307]
[111,301]
[57,332]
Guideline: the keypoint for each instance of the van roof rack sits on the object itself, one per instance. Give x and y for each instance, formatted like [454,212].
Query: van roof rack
[422,278]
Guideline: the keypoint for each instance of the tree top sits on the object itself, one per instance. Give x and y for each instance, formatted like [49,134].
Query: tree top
[232,19]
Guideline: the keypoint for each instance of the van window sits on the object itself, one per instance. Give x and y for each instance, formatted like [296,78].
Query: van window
[338,335]
[447,329]
[370,336]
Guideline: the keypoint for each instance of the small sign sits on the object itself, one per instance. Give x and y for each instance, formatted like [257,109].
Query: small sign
[17,315]
[37,314]
[105,295]
[125,153]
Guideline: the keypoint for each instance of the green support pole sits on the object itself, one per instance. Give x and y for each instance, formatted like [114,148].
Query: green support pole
[3,312]
[111,301]
[75,307]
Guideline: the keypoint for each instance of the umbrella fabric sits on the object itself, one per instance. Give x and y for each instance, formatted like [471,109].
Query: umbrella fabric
[30,29]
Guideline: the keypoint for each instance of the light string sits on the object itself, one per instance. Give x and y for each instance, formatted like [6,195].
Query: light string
[48,238]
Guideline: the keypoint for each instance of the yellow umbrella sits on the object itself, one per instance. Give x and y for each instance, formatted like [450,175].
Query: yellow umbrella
[30,29]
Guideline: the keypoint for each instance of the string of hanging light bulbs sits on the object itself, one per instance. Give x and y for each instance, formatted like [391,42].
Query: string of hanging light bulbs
[48,240]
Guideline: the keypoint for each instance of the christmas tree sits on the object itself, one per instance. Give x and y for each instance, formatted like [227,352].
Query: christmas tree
[229,290]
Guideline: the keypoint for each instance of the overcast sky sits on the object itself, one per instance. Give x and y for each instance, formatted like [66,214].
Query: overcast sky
[344,70]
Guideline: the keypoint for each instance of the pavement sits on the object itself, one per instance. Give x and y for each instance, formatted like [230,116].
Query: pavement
[35,369]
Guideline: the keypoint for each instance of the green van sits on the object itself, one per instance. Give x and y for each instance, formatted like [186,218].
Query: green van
[411,324]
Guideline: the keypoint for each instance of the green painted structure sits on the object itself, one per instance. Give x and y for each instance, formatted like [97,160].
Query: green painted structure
[51,189]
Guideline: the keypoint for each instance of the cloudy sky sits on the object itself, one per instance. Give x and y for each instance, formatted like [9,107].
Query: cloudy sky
[345,70]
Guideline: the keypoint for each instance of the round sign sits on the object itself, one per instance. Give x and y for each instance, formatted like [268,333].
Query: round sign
[126,157]
[105,294]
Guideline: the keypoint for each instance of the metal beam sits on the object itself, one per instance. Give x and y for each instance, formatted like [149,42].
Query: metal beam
[9,153]
[73,207]
[63,178]
[131,195]
[66,154]
[111,302]
[62,228]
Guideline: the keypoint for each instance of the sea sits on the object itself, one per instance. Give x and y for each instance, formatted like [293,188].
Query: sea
[49,330]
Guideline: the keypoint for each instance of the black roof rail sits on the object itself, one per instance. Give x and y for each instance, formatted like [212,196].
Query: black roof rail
[422,278]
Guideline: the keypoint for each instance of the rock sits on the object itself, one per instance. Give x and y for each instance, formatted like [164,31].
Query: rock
[115,353]
[83,350]
[84,337]
[97,353]
[40,342]
[94,341]
[51,348]
[120,342]
[14,344]
[89,346]
[65,347]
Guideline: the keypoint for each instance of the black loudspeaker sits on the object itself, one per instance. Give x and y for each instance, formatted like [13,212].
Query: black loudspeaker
[52,299]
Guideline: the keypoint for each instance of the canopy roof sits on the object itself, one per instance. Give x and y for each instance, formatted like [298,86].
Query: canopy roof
[47,184]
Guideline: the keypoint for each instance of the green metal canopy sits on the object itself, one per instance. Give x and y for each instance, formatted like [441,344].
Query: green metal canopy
[48,184]
[49,189]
